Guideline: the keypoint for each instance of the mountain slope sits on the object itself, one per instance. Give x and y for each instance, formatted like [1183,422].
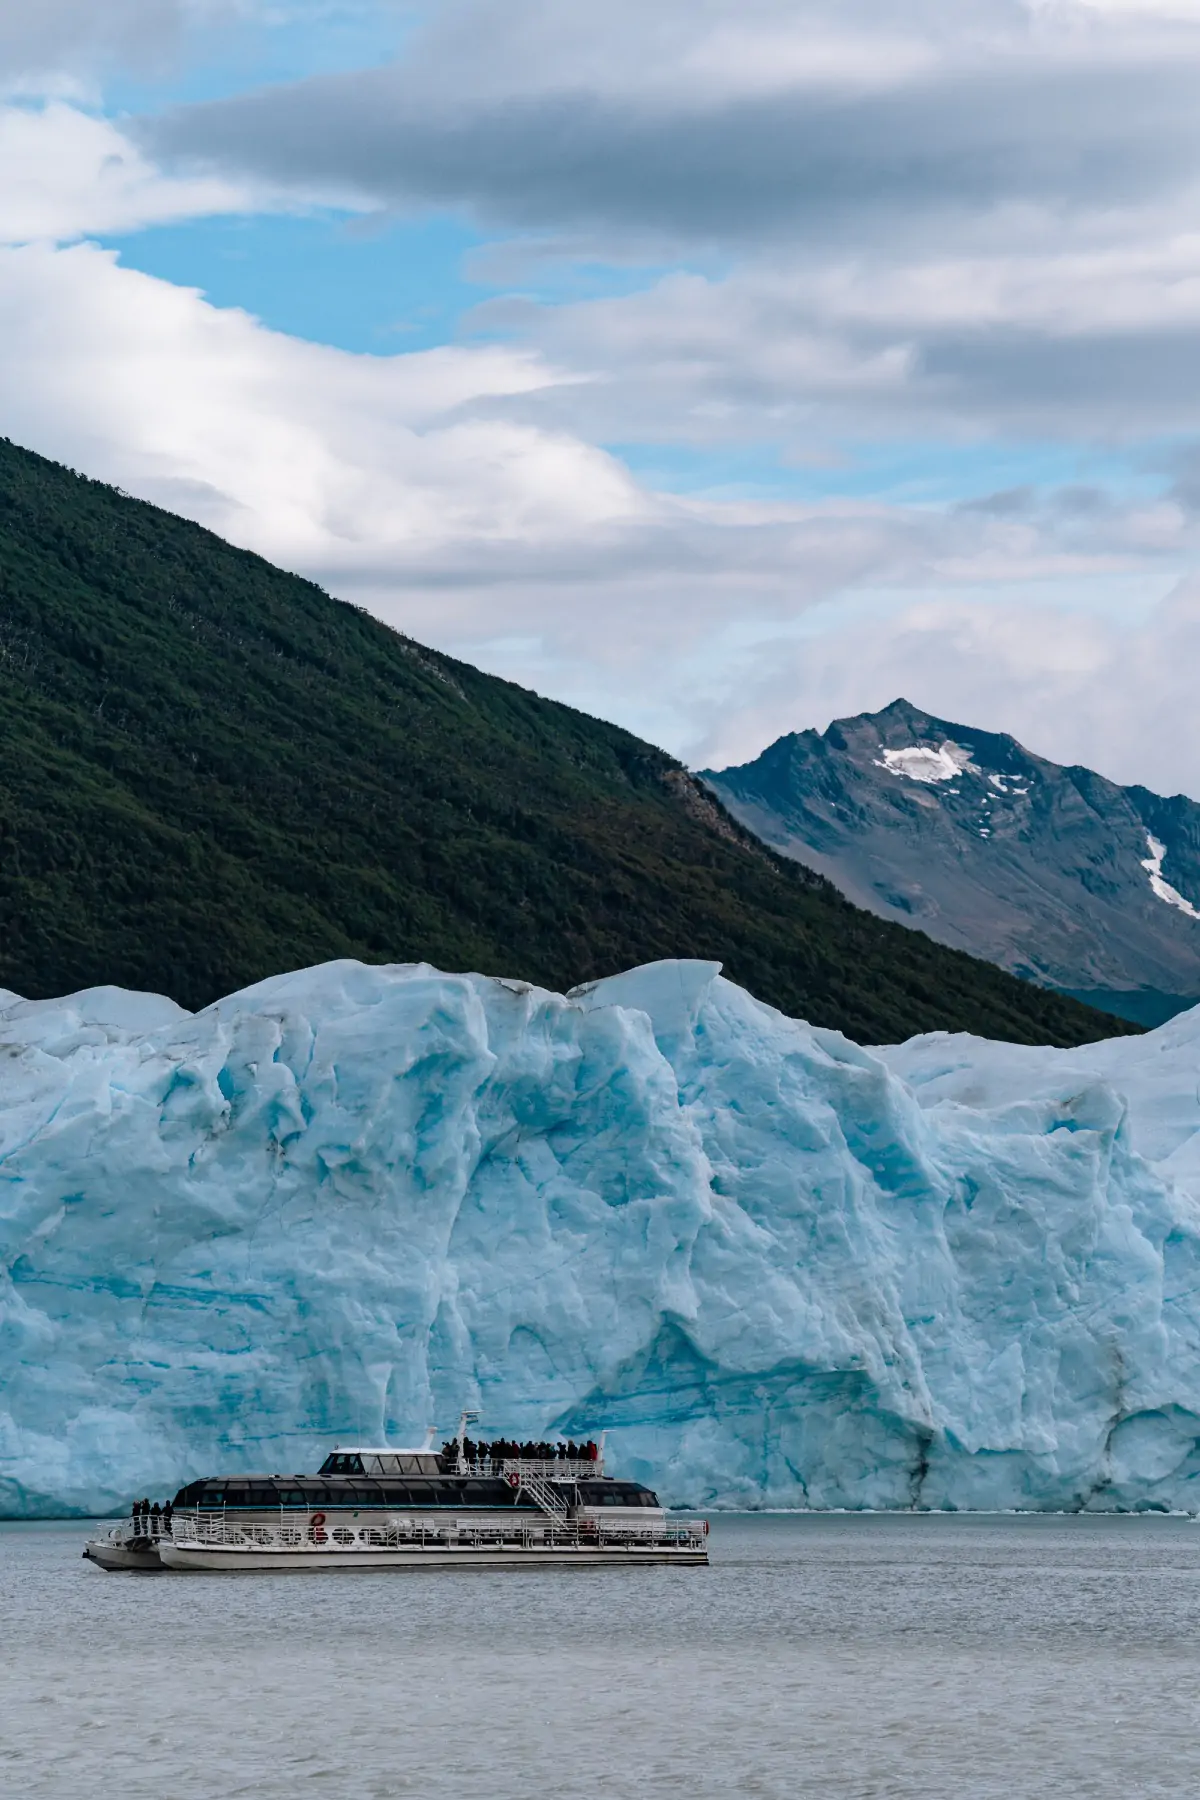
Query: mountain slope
[1054,873]
[211,771]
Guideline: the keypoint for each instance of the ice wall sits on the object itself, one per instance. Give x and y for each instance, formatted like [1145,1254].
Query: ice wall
[780,1269]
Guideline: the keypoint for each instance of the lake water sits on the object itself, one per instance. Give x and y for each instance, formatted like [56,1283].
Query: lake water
[819,1658]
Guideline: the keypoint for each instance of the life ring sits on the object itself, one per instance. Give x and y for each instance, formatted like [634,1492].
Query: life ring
[514,1480]
[316,1528]
[706,1527]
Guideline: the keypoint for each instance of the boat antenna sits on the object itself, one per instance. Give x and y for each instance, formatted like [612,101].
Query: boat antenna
[466,1417]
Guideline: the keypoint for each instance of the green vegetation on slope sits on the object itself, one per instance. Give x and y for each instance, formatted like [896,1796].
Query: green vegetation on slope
[210,771]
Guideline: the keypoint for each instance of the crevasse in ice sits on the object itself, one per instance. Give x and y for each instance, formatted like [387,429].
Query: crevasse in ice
[779,1269]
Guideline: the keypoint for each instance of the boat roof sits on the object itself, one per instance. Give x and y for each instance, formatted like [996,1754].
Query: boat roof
[382,1449]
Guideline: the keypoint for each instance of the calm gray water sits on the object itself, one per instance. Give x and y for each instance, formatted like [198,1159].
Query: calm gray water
[830,1658]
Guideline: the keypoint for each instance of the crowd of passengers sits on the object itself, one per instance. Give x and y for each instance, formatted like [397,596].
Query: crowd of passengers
[506,1450]
[151,1521]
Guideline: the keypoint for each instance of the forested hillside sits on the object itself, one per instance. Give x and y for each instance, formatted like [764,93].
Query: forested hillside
[210,771]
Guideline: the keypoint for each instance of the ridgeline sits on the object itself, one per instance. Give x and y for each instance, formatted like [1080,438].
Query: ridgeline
[210,772]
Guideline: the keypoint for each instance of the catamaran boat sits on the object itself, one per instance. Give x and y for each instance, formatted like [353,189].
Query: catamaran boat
[467,1506]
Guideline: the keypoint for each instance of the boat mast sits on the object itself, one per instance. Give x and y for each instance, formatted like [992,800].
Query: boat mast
[467,1417]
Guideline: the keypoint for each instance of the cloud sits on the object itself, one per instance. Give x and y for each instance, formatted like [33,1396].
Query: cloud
[65,173]
[974,225]
[47,39]
[315,457]
[1081,344]
[682,125]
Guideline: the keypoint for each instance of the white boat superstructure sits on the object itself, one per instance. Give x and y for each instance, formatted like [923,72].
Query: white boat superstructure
[369,1507]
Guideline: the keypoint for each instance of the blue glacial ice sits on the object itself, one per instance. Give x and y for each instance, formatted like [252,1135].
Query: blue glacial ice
[779,1269]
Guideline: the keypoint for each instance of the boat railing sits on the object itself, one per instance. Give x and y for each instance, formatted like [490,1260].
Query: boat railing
[546,1495]
[297,1529]
[146,1529]
[549,1468]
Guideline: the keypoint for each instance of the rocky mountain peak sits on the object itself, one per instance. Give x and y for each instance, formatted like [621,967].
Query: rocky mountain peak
[1055,873]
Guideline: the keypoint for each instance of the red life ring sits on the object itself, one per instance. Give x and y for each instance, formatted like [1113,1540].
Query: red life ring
[316,1529]
[514,1480]
[706,1527]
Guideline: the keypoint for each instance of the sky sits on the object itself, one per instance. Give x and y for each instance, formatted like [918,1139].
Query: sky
[721,367]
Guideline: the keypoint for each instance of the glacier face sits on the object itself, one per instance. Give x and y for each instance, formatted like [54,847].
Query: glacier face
[780,1269]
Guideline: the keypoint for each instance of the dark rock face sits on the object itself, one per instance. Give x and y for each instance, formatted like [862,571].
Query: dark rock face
[1056,874]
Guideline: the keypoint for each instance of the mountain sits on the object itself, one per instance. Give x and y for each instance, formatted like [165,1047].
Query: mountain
[779,1269]
[1055,874]
[210,771]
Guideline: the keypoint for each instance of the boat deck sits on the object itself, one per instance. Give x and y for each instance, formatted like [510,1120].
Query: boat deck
[213,1541]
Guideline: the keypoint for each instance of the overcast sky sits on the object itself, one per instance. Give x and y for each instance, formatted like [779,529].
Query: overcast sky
[721,366]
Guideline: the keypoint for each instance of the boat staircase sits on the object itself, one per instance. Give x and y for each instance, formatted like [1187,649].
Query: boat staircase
[545,1494]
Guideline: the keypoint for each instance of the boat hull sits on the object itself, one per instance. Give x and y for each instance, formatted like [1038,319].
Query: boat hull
[211,1559]
[138,1557]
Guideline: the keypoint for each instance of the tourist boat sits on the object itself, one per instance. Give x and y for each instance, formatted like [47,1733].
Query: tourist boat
[466,1506]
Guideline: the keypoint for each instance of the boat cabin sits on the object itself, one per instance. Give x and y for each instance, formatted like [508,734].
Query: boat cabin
[382,1462]
[338,1487]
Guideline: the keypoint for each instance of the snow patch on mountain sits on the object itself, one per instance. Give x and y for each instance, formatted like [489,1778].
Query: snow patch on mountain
[1153,865]
[922,763]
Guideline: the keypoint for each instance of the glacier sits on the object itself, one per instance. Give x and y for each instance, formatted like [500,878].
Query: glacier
[777,1268]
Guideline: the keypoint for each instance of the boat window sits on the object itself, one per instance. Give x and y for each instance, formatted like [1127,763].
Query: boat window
[396,1496]
[291,1497]
[418,1464]
[237,1496]
[345,1464]
[422,1493]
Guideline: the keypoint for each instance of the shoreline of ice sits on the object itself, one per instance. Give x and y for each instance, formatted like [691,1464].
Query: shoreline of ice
[944,1277]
